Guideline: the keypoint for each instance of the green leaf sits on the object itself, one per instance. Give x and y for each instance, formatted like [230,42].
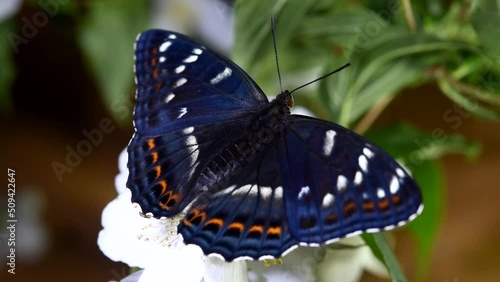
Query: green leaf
[429,177]
[404,141]
[253,27]
[370,241]
[382,250]
[379,70]
[107,38]
[472,103]
[485,18]
[7,70]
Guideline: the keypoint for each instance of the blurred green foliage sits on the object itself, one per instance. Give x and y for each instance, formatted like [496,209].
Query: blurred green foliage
[107,35]
[7,69]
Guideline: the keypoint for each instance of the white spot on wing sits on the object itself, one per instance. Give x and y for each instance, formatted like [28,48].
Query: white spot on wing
[223,75]
[358,178]
[328,200]
[191,59]
[197,51]
[182,112]
[380,193]
[193,144]
[172,36]
[169,97]
[253,190]
[363,163]
[162,59]
[265,192]
[341,183]
[164,46]
[191,141]
[394,186]
[278,192]
[303,192]
[389,227]
[227,190]
[328,142]
[180,69]
[355,233]
[368,153]
[400,172]
[188,130]
[180,82]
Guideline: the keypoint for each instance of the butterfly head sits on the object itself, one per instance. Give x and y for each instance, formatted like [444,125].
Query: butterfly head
[286,99]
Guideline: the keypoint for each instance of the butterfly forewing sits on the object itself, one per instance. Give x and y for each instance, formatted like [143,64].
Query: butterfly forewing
[181,83]
[337,184]
[191,102]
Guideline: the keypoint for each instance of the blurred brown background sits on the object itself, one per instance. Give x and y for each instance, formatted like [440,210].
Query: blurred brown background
[54,100]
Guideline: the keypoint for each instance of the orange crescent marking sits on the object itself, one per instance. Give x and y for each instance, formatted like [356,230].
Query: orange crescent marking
[155,156]
[151,143]
[154,51]
[216,221]
[195,214]
[274,231]
[187,222]
[156,73]
[257,228]
[158,86]
[171,197]
[369,206]
[349,207]
[236,225]
[154,61]
[164,185]
[331,218]
[396,199]
[158,170]
[383,204]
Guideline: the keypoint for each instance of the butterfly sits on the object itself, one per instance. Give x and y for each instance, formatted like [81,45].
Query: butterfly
[254,180]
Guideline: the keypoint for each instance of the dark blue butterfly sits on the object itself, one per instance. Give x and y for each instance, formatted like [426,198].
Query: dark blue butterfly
[256,181]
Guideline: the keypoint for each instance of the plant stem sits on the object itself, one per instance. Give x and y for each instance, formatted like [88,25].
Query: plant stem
[372,115]
[410,19]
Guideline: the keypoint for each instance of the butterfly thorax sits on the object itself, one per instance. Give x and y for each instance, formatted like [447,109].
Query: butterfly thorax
[267,125]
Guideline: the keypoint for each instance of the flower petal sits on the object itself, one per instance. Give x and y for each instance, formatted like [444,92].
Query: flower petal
[299,265]
[348,264]
[134,277]
[121,177]
[177,264]
[131,238]
[217,270]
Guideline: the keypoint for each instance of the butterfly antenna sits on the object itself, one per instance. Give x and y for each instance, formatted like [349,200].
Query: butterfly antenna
[326,75]
[276,52]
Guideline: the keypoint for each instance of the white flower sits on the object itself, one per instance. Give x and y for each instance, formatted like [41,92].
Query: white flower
[213,20]
[348,264]
[154,245]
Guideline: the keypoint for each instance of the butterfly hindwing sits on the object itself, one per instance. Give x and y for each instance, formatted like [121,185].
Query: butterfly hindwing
[337,184]
[247,219]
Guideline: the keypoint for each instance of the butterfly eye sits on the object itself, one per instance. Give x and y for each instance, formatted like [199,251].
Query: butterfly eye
[289,102]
